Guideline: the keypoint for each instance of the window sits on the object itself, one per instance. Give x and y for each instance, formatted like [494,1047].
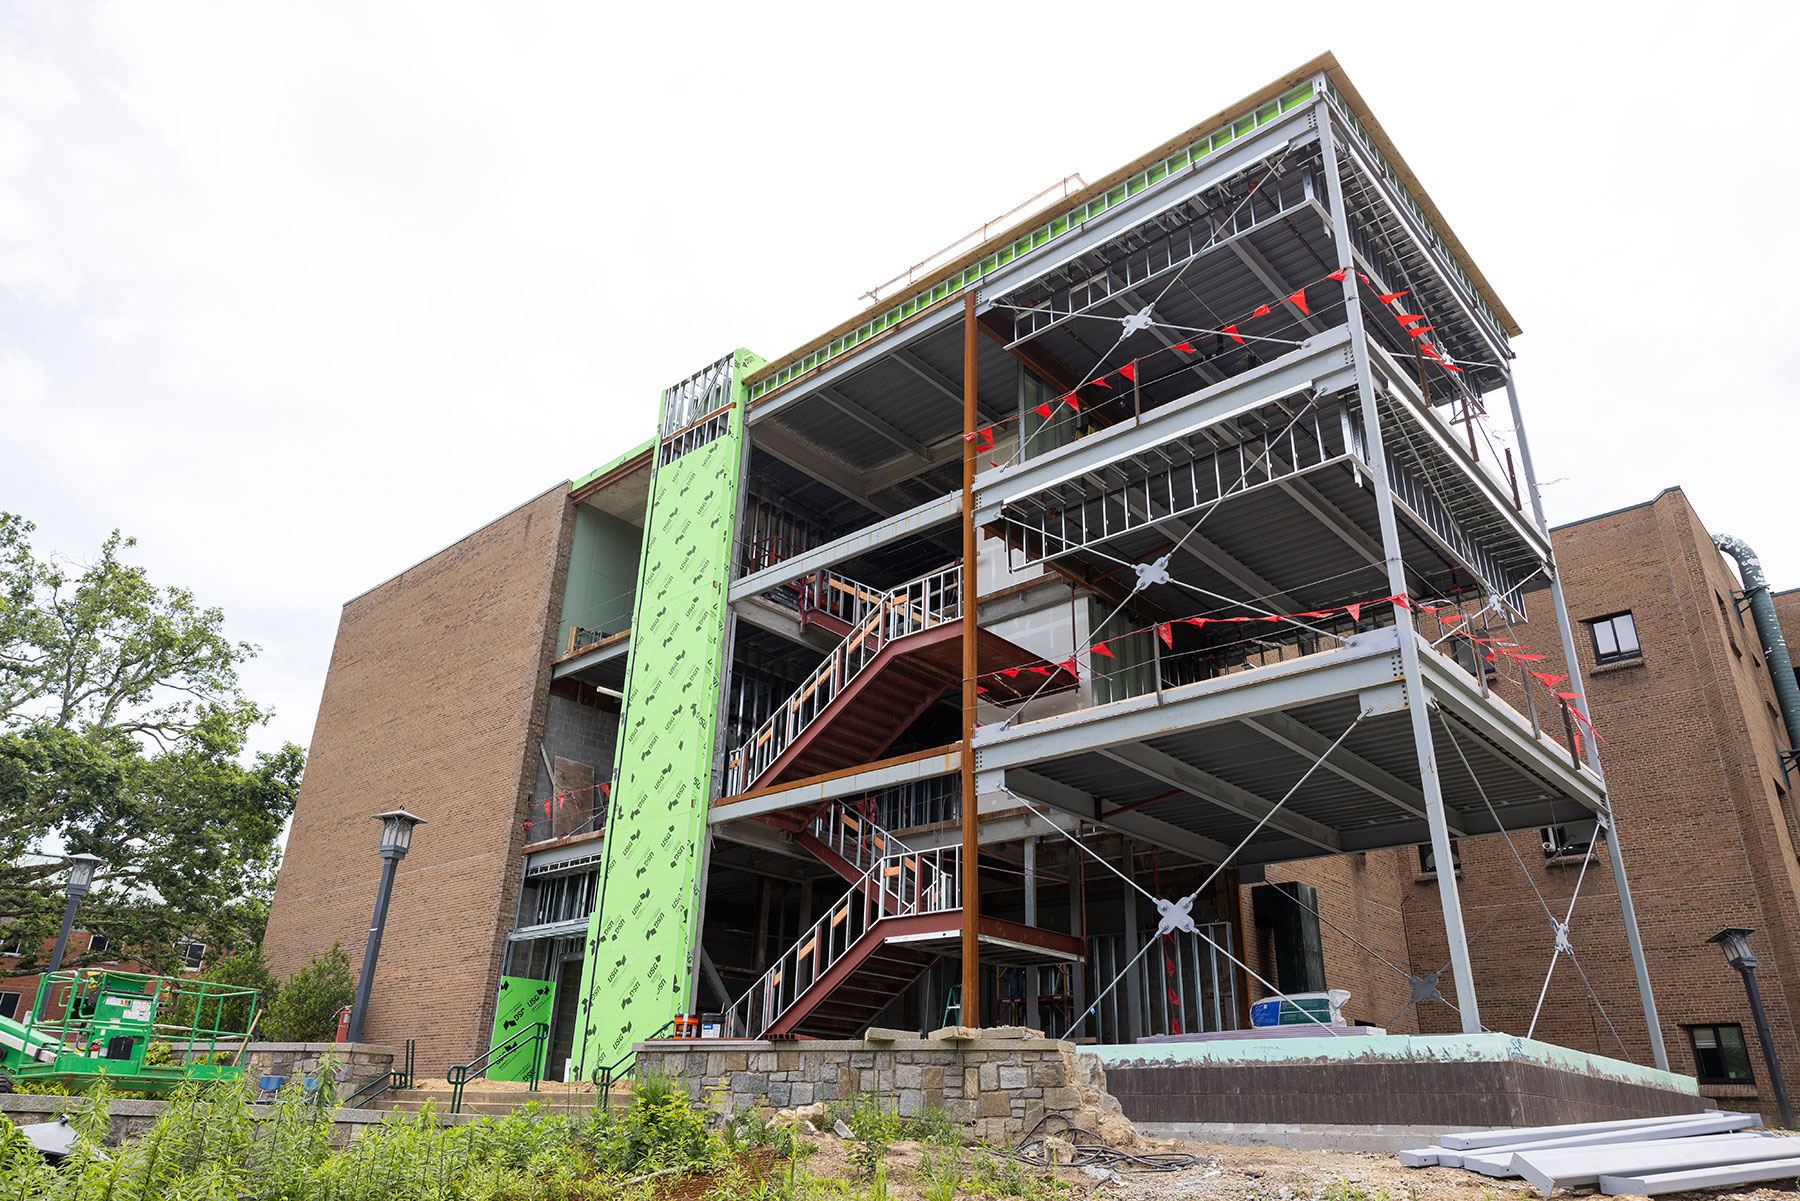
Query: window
[1720,1056]
[194,956]
[1428,860]
[1615,639]
[9,1004]
[1570,839]
[99,944]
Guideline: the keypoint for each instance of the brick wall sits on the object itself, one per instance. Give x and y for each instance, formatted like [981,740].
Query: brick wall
[435,698]
[1690,762]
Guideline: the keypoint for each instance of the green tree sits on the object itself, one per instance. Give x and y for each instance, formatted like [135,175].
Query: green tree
[123,733]
[248,968]
[308,1006]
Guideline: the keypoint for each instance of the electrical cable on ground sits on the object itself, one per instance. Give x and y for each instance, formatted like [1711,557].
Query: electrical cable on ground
[1092,1151]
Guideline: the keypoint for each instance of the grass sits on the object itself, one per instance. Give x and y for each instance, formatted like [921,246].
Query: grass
[208,1146]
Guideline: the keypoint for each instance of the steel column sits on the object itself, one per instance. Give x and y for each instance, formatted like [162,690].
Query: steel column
[1564,628]
[1628,912]
[1417,698]
[971,880]
[1032,1018]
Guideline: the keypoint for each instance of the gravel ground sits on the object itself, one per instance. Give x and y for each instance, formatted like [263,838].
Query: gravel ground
[1275,1174]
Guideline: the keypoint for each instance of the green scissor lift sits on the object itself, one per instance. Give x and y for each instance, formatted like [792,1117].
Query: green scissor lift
[147,1033]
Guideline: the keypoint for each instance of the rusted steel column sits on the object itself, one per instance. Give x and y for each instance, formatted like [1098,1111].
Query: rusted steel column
[970,1013]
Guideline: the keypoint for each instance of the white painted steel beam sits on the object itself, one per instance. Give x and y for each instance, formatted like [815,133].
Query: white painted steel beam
[1319,364]
[809,792]
[1368,660]
[1223,794]
[1052,794]
[1657,1183]
[1303,739]
[917,520]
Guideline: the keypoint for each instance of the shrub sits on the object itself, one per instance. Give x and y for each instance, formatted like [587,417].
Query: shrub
[306,1009]
[246,969]
[660,1129]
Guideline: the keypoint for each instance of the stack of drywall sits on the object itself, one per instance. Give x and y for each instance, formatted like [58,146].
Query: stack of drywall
[1643,1156]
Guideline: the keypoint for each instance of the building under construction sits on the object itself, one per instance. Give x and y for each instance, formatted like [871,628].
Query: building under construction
[1168,526]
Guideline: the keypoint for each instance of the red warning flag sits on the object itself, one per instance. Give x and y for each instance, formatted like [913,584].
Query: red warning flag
[1044,411]
[1101,383]
[1261,311]
[1400,599]
[1274,617]
[1010,672]
[1100,648]
[1298,300]
[1197,621]
[1166,631]
[1129,370]
[1339,274]
[1390,298]
[1355,611]
[1072,402]
[1419,331]
[987,437]
[1548,680]
[1068,665]
[1451,367]
[979,689]
[546,808]
[1233,331]
[1408,318]
[1184,348]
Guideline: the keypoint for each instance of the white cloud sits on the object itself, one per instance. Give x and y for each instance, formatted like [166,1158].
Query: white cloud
[299,295]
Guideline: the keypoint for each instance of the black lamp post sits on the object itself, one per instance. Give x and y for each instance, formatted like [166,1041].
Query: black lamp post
[1735,942]
[396,836]
[81,878]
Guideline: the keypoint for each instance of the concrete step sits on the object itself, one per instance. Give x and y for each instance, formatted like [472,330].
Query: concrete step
[488,1101]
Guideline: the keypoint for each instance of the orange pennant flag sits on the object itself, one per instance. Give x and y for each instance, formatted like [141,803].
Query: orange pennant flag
[1233,331]
[1100,648]
[1072,402]
[1129,370]
[1390,298]
[1298,300]
[1166,632]
[1184,348]
[1261,311]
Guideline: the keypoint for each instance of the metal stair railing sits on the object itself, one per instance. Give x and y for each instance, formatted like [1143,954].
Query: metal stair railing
[537,1034]
[384,1082]
[853,837]
[900,884]
[915,606]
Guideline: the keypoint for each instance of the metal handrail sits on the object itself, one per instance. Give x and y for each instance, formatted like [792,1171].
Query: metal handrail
[623,1066]
[915,606]
[901,883]
[383,1083]
[538,1033]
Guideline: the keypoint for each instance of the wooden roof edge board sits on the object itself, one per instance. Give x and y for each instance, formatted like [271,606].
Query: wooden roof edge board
[1652,1184]
[1326,62]
[626,465]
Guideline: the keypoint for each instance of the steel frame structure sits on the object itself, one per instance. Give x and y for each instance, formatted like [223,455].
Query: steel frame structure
[1363,490]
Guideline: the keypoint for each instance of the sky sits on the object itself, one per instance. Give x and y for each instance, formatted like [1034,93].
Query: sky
[297,295]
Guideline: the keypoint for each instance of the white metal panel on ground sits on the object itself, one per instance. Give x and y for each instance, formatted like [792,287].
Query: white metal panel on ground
[1423,1157]
[1551,1170]
[1677,1182]
[1697,1124]
[1521,1134]
[1493,1161]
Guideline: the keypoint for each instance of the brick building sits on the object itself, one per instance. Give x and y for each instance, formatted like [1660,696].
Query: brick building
[693,731]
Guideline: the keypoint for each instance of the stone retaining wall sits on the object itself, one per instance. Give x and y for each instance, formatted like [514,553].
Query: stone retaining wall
[356,1064]
[994,1084]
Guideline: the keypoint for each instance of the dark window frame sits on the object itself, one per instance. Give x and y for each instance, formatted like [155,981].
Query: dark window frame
[17,1000]
[1426,855]
[1718,1049]
[1603,657]
[190,961]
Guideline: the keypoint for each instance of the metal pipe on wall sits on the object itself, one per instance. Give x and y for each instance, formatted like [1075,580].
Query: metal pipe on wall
[970,1014]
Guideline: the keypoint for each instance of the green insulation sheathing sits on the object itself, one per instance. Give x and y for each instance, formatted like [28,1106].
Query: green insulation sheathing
[522,1002]
[645,930]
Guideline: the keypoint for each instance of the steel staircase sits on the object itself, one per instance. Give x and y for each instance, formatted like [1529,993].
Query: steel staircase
[903,910]
[900,650]
[853,962]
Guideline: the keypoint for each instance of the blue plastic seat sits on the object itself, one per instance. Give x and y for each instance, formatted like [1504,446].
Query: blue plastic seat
[269,1086]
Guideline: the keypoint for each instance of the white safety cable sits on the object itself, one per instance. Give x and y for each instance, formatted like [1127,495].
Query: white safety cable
[1193,896]
[1019,454]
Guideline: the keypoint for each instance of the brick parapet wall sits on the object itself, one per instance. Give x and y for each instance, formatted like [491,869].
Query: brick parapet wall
[435,698]
[1690,758]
